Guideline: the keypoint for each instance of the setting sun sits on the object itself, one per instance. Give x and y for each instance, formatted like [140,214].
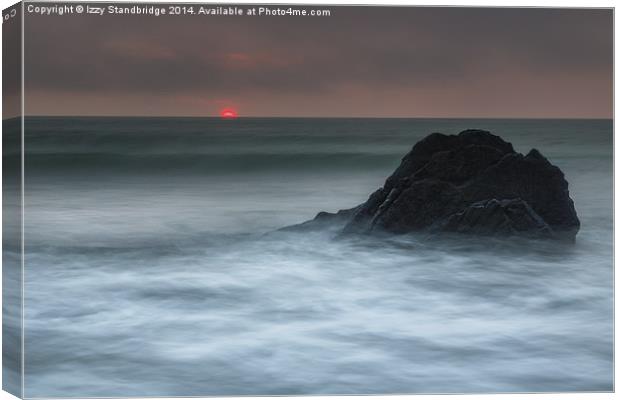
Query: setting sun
[228,113]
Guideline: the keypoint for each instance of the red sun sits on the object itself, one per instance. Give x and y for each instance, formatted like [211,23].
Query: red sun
[228,113]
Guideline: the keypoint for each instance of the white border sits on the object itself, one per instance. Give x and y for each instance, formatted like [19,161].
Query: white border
[23,209]
[476,3]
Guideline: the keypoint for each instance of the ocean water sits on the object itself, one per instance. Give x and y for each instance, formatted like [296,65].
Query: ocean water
[148,271]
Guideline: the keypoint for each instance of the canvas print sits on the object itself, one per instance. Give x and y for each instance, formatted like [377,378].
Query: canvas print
[207,199]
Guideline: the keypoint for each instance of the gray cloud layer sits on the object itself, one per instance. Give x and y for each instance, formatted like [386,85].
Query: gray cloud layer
[372,61]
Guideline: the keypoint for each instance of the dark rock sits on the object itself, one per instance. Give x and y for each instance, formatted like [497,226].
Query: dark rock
[497,217]
[535,180]
[418,207]
[436,143]
[473,182]
[362,217]
[461,164]
[323,220]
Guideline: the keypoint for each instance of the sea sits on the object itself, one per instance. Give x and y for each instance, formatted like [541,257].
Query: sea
[151,269]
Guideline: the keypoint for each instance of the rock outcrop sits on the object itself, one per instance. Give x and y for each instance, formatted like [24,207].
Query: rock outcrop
[493,217]
[473,183]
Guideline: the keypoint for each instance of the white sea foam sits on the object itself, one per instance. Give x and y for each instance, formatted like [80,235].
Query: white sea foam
[162,283]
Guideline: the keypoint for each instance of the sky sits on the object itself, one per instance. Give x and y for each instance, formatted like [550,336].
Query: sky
[358,62]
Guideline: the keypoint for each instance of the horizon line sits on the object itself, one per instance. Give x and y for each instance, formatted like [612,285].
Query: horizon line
[305,117]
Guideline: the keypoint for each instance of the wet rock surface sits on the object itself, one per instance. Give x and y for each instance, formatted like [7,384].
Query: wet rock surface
[470,183]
